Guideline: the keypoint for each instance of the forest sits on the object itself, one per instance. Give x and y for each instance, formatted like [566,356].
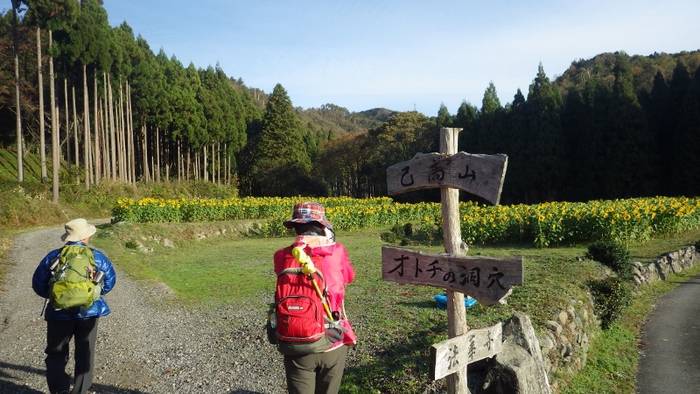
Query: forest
[99,104]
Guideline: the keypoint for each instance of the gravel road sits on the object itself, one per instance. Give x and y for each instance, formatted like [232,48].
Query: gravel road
[145,346]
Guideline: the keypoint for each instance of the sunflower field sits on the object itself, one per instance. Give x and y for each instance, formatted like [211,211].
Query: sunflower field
[546,224]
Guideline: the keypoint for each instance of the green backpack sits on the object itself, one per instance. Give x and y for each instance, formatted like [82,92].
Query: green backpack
[72,289]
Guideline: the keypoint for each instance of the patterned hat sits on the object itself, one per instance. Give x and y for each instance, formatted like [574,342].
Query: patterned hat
[305,212]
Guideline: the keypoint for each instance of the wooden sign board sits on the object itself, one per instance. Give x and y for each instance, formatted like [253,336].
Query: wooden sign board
[478,174]
[487,279]
[449,356]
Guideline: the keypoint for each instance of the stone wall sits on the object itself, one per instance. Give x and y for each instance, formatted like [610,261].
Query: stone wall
[666,264]
[564,344]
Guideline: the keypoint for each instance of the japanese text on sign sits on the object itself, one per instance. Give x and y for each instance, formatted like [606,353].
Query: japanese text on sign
[486,279]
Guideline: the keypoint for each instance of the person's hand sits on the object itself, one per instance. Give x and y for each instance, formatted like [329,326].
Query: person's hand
[307,266]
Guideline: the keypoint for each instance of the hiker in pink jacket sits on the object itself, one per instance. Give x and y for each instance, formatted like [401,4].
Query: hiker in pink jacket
[320,372]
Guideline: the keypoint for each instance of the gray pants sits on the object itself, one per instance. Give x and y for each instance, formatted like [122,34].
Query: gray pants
[318,373]
[58,337]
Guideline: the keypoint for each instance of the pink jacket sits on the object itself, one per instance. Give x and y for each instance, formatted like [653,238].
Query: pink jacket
[337,272]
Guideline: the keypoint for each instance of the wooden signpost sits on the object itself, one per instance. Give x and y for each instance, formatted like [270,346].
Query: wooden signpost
[485,279]
[481,175]
[449,356]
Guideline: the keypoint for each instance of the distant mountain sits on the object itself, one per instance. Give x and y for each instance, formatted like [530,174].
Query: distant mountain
[338,120]
[644,69]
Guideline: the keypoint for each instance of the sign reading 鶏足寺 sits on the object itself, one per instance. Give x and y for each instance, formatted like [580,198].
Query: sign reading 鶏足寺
[484,278]
[478,174]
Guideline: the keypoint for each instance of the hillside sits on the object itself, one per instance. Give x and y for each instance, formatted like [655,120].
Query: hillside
[339,120]
[644,69]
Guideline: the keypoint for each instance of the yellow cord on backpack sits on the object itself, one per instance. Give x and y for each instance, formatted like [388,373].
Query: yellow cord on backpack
[308,268]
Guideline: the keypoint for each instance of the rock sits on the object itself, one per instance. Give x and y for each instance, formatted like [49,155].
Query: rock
[519,368]
[515,371]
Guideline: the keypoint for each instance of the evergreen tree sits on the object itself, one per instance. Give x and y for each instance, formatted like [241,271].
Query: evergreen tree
[282,164]
[629,154]
[490,104]
[490,124]
[684,162]
[468,120]
[544,158]
[444,119]
[655,108]
[585,124]
[514,144]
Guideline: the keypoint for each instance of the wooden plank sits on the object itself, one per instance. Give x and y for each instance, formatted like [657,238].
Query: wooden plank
[450,355]
[485,278]
[478,174]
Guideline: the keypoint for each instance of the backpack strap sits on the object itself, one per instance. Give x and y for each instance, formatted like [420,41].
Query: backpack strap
[298,270]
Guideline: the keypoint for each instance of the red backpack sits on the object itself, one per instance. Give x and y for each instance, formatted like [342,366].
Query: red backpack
[300,320]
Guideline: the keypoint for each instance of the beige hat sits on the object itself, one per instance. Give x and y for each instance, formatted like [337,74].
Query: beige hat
[78,229]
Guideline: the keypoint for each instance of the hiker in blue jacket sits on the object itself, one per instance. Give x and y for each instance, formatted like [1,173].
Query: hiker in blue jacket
[82,326]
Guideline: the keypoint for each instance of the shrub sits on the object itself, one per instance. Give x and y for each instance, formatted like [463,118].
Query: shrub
[611,295]
[408,229]
[388,237]
[611,254]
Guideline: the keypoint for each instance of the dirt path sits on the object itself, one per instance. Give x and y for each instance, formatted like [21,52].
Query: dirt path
[142,347]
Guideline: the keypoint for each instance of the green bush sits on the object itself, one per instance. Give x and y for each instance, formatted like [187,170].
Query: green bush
[399,233]
[611,254]
[388,237]
[611,296]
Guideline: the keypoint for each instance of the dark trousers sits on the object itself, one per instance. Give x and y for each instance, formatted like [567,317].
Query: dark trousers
[58,337]
[318,373]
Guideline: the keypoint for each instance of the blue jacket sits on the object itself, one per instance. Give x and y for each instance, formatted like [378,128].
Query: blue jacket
[42,277]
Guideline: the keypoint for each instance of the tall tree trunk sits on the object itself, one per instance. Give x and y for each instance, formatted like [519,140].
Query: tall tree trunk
[55,132]
[86,127]
[104,131]
[99,131]
[101,108]
[55,129]
[67,115]
[227,170]
[179,161]
[157,163]
[166,156]
[112,129]
[121,135]
[130,134]
[189,162]
[205,164]
[218,162]
[75,138]
[18,106]
[144,142]
[42,115]
[196,166]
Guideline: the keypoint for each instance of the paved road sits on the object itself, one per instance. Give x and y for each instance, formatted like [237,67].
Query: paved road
[670,351]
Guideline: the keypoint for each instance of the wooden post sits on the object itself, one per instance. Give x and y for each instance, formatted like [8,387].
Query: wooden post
[456,313]
[481,175]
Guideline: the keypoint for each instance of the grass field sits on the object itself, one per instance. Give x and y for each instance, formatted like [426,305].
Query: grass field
[397,323]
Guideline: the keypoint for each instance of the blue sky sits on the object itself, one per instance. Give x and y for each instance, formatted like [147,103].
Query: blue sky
[403,55]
